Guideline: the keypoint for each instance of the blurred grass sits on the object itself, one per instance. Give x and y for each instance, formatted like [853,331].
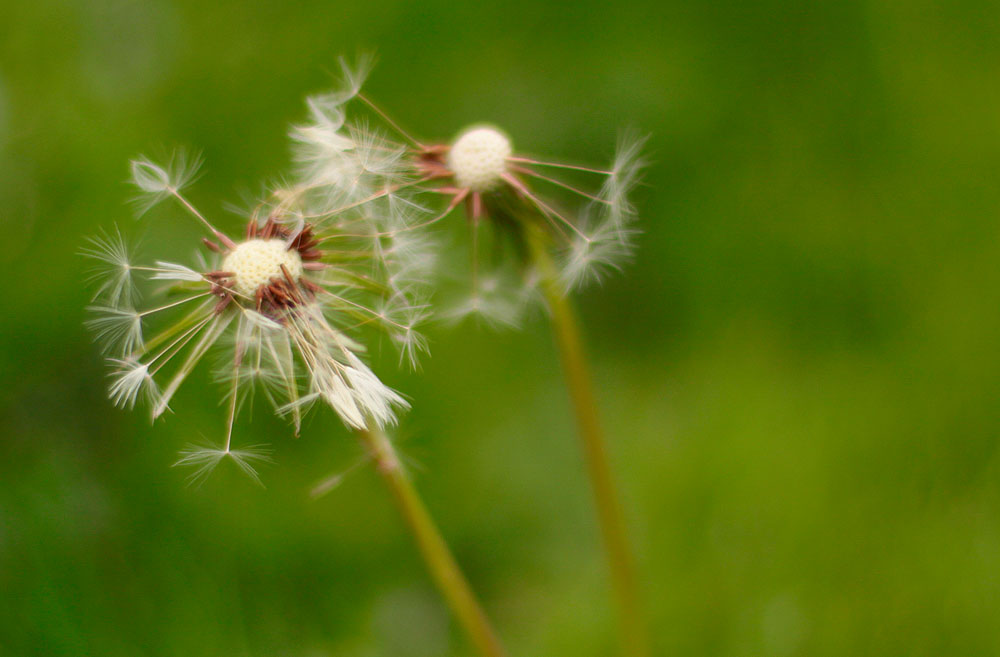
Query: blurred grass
[799,372]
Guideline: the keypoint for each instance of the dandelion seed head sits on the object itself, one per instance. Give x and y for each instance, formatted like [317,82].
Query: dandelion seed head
[281,305]
[256,262]
[478,158]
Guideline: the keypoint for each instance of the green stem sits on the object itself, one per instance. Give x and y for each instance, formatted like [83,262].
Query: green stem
[611,519]
[435,551]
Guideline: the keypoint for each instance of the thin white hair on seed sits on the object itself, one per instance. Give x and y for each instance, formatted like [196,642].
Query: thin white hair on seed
[335,179]
[396,308]
[603,241]
[378,400]
[343,163]
[302,404]
[327,117]
[114,272]
[245,457]
[277,349]
[376,154]
[258,374]
[337,375]
[130,379]
[590,256]
[353,75]
[241,345]
[205,459]
[251,319]
[320,141]
[327,383]
[400,315]
[312,336]
[493,302]
[262,364]
[205,261]
[411,255]
[208,332]
[402,211]
[626,173]
[332,481]
[159,181]
[410,343]
[170,271]
[117,329]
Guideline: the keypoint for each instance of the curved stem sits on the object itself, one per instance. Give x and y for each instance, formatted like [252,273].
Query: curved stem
[445,571]
[610,516]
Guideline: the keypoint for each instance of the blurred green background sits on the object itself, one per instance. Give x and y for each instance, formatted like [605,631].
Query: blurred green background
[799,372]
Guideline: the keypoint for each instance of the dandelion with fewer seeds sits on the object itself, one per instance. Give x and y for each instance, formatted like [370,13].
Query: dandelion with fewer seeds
[556,250]
[287,302]
[284,299]
[356,162]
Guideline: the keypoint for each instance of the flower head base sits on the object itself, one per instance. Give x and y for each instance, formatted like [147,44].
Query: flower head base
[478,159]
[257,262]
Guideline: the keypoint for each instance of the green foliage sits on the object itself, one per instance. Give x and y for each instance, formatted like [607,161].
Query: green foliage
[798,373]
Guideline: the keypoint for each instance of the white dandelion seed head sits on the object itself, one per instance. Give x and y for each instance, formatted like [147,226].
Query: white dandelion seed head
[257,262]
[478,158]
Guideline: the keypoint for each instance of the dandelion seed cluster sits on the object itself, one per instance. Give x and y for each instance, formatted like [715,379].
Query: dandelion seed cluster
[288,303]
[346,245]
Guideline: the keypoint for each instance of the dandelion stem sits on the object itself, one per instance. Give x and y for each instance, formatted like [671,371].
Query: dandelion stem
[609,511]
[435,551]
